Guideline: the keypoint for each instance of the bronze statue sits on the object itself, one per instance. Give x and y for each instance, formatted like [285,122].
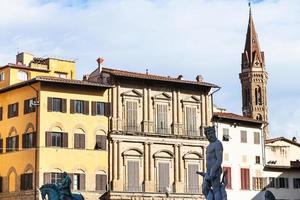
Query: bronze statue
[213,188]
[64,187]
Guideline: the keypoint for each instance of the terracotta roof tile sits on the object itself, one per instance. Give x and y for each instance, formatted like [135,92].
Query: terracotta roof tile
[128,74]
[272,140]
[233,116]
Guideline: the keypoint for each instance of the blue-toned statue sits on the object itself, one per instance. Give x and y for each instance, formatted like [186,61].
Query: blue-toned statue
[213,187]
[60,191]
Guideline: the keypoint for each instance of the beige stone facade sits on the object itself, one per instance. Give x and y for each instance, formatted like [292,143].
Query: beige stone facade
[156,135]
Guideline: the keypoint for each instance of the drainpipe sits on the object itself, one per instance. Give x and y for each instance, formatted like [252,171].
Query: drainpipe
[36,104]
[263,139]
[212,100]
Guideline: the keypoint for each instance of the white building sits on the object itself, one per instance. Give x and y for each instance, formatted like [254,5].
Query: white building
[242,141]
[283,167]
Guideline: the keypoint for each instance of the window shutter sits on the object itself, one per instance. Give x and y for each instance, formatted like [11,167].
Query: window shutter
[65,140]
[107,109]
[133,176]
[103,142]
[1,113]
[76,141]
[17,143]
[34,139]
[48,139]
[164,176]
[17,112]
[49,104]
[94,108]
[30,181]
[72,179]
[22,182]
[7,142]
[82,141]
[1,183]
[82,182]
[26,106]
[23,141]
[86,107]
[64,105]
[101,181]
[1,146]
[71,106]
[193,179]
[47,178]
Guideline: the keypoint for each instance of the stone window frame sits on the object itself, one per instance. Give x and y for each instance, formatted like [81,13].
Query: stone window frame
[162,99]
[193,102]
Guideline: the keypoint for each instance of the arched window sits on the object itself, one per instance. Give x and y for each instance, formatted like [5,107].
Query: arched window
[259,117]
[258,96]
[22,75]
[101,180]
[56,138]
[78,180]
[79,139]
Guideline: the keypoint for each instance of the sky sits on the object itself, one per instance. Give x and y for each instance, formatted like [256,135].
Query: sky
[167,37]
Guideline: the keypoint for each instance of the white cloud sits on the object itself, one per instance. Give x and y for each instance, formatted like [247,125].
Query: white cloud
[167,37]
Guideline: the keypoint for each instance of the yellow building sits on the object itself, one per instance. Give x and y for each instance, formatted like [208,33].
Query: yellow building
[49,125]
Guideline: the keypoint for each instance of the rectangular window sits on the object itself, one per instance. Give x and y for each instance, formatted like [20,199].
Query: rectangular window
[257,159]
[100,108]
[101,181]
[225,134]
[163,177]
[296,183]
[57,105]
[259,183]
[79,106]
[132,124]
[101,142]
[271,182]
[133,176]
[243,136]
[26,181]
[56,139]
[245,179]
[13,110]
[256,138]
[79,141]
[227,170]
[29,106]
[193,179]
[12,143]
[162,119]
[55,178]
[191,123]
[78,181]
[1,113]
[28,140]
[282,183]
[2,76]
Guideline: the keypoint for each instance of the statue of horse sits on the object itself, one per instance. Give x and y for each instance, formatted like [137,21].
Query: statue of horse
[52,192]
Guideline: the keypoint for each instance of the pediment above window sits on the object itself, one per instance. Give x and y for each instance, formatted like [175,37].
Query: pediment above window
[132,93]
[162,96]
[191,99]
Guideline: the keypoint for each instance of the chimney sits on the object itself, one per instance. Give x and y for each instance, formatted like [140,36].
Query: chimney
[180,77]
[199,78]
[86,77]
[294,139]
[100,64]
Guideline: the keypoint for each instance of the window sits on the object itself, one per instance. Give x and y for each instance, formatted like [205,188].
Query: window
[78,181]
[225,134]
[259,183]
[101,181]
[57,105]
[227,170]
[79,140]
[245,179]
[12,143]
[256,138]
[26,181]
[29,105]
[296,182]
[28,140]
[243,136]
[258,96]
[13,110]
[271,182]
[56,139]
[2,76]
[257,159]
[133,176]
[191,124]
[79,106]
[101,142]
[193,180]
[162,118]
[23,76]
[282,183]
[163,177]
[55,178]
[132,124]
[1,113]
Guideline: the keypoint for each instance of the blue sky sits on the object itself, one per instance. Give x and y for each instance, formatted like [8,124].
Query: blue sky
[168,37]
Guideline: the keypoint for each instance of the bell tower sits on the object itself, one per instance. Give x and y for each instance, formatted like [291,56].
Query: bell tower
[253,76]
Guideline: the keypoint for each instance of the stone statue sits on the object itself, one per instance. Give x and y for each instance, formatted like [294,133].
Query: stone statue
[60,191]
[213,188]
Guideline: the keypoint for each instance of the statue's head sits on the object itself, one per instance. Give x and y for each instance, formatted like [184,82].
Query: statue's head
[210,133]
[64,174]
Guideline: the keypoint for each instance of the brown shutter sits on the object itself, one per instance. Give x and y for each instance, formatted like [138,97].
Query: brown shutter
[1,145]
[17,113]
[26,106]
[82,182]
[6,143]
[48,139]
[107,109]
[65,140]
[49,105]
[22,186]
[1,180]
[242,179]
[76,141]
[1,113]
[17,143]
[64,105]
[228,177]
[9,111]
[101,181]
[34,141]
[23,141]
[71,106]
[82,141]
[86,107]
[103,142]
[94,108]
[47,178]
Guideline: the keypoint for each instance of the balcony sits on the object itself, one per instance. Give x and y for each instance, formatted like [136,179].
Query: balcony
[133,188]
[132,128]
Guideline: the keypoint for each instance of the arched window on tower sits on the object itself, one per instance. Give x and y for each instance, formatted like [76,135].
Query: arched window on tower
[258,96]
[259,117]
